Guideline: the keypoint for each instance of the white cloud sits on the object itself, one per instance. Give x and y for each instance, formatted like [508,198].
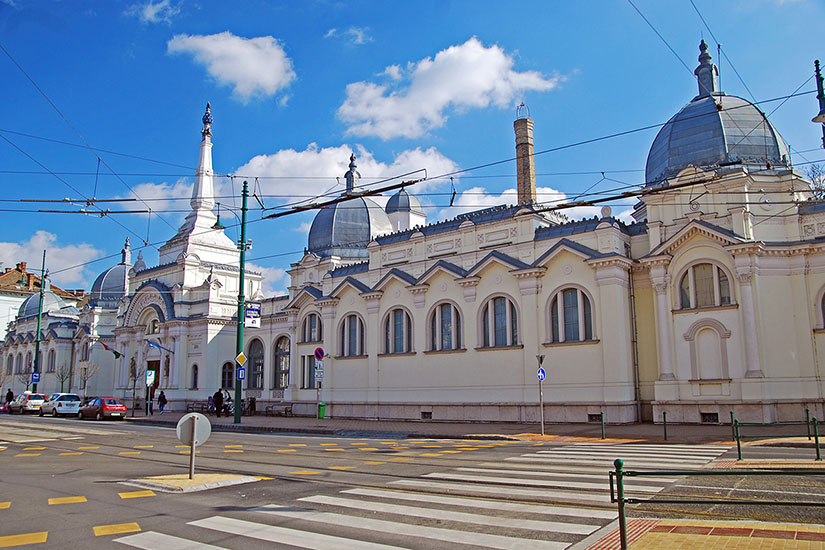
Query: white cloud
[275,279]
[355,35]
[160,198]
[392,71]
[60,259]
[315,170]
[154,12]
[253,66]
[467,76]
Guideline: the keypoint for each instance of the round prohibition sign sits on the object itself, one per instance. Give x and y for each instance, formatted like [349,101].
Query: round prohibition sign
[319,354]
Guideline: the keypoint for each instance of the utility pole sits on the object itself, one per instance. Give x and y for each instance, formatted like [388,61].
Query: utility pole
[242,246]
[36,368]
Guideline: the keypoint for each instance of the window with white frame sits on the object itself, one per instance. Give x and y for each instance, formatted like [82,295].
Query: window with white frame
[281,363]
[398,332]
[51,363]
[499,323]
[10,364]
[704,285]
[351,336]
[227,376]
[311,329]
[445,328]
[18,368]
[307,372]
[255,376]
[571,316]
[194,385]
[29,362]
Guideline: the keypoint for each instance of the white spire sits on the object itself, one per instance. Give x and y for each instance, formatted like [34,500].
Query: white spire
[203,194]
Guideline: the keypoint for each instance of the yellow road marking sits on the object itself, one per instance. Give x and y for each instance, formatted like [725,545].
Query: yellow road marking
[87,448]
[430,454]
[328,444]
[304,473]
[136,494]
[417,442]
[26,454]
[430,446]
[188,451]
[5,505]
[144,446]
[297,444]
[227,451]
[286,450]
[232,446]
[388,443]
[20,540]
[374,462]
[70,454]
[357,443]
[400,447]
[66,500]
[129,453]
[368,449]
[116,529]
[451,452]
[341,467]
[401,458]
[181,446]
[328,450]
[34,448]
[263,478]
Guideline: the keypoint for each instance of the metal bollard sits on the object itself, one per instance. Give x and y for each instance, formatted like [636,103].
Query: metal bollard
[816,439]
[620,494]
[602,417]
[732,429]
[738,442]
[808,421]
[664,422]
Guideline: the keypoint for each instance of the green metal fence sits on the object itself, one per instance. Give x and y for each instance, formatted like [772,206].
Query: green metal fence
[618,495]
[810,423]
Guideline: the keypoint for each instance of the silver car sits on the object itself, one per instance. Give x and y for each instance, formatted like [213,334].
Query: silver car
[27,403]
[60,404]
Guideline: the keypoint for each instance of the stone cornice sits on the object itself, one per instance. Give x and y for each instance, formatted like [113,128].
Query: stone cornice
[529,273]
[654,261]
[468,281]
[611,261]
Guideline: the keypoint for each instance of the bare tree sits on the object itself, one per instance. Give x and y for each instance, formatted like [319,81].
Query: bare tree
[135,373]
[86,374]
[25,377]
[816,174]
[63,374]
[4,377]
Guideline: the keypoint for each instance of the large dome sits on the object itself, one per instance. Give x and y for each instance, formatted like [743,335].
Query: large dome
[345,228]
[714,129]
[51,302]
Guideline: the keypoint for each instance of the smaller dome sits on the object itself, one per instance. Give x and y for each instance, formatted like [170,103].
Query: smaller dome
[51,302]
[404,202]
[110,286]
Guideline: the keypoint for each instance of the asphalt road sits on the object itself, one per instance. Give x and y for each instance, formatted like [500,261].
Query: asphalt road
[70,479]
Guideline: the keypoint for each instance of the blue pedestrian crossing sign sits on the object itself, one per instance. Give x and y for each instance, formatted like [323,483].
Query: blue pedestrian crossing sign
[35,377]
[241,373]
[541,374]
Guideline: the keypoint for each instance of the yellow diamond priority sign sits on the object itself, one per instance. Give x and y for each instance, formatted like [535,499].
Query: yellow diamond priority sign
[241,359]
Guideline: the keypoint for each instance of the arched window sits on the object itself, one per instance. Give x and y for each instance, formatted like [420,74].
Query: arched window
[18,368]
[397,332]
[153,327]
[704,285]
[84,351]
[194,385]
[571,316]
[445,328]
[255,378]
[29,363]
[499,322]
[352,336]
[227,376]
[50,365]
[311,329]
[10,364]
[281,363]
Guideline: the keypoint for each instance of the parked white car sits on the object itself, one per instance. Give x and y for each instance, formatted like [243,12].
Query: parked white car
[60,404]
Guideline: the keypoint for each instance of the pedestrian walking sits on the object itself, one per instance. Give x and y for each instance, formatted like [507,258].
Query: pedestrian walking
[9,396]
[218,399]
[161,401]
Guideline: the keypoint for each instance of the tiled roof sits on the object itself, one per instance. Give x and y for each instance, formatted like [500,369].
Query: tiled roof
[19,281]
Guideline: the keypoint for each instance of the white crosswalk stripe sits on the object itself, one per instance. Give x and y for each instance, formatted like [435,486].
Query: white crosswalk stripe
[563,489]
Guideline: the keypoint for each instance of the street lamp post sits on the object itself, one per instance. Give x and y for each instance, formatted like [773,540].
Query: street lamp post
[820,95]
[36,367]
[242,246]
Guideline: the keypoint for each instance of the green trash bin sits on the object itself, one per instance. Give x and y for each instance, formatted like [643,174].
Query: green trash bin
[322,409]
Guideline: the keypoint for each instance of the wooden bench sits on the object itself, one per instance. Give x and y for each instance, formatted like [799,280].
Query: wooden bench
[279,409]
[198,406]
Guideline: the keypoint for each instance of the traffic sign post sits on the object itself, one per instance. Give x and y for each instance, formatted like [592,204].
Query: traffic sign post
[35,377]
[241,372]
[150,378]
[193,429]
[541,375]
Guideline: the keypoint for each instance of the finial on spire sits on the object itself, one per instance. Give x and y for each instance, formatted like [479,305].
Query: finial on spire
[520,108]
[352,176]
[207,121]
[706,73]
[126,253]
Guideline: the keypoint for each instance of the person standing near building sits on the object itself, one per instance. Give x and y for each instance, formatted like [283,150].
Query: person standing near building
[218,399]
[161,401]
[9,399]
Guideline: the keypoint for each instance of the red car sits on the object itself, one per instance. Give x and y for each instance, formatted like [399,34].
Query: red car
[103,407]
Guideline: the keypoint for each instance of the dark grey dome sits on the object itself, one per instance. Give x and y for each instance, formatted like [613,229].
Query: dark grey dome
[51,302]
[403,202]
[714,129]
[109,287]
[346,228]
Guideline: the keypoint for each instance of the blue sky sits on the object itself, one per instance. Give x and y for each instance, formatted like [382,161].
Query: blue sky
[296,86]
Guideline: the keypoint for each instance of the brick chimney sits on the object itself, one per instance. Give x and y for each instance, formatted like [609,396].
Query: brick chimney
[30,281]
[21,267]
[525,166]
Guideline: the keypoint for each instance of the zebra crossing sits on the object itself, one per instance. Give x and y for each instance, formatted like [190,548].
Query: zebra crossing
[547,499]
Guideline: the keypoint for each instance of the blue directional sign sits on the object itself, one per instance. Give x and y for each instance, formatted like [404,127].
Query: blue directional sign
[541,374]
[241,373]
[35,377]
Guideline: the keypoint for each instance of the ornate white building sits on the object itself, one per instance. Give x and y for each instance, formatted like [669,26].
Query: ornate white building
[712,301]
